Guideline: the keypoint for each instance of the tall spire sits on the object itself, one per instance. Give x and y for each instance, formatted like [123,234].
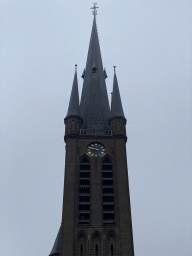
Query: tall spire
[74,100]
[94,106]
[116,105]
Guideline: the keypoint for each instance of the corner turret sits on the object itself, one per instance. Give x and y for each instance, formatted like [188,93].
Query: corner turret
[73,121]
[56,247]
[117,119]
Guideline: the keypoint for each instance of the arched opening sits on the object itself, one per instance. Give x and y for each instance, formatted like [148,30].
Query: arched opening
[96,244]
[112,245]
[85,160]
[81,244]
[107,161]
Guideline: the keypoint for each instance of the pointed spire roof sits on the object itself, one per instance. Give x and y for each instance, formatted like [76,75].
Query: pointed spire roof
[73,108]
[56,247]
[94,106]
[116,105]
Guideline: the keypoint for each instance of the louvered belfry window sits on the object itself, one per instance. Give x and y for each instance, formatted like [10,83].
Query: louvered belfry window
[108,192]
[84,192]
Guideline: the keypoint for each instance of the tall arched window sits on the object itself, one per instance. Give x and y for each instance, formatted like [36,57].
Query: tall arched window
[108,192]
[112,245]
[96,245]
[81,245]
[84,192]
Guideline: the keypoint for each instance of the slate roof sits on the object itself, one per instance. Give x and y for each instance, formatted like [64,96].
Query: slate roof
[94,106]
[73,108]
[116,105]
[56,246]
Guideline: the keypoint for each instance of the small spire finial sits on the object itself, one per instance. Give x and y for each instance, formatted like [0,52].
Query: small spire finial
[75,67]
[114,69]
[94,9]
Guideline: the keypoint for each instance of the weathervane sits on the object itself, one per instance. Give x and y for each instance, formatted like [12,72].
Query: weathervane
[94,9]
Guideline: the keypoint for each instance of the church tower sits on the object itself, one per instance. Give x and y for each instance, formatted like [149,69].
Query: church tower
[96,218]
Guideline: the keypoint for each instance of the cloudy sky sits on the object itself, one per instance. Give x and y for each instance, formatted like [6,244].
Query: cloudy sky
[150,42]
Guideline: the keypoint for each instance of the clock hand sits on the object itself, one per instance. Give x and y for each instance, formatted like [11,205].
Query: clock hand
[95,148]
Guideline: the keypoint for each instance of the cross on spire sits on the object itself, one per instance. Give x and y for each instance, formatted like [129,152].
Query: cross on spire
[94,9]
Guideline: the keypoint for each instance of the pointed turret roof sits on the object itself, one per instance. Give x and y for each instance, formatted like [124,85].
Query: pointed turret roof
[116,105]
[94,106]
[73,108]
[56,247]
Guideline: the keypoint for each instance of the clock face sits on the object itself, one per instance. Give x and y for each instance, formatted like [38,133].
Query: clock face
[95,149]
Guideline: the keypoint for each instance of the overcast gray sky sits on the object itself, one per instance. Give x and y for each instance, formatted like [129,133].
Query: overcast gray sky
[150,42]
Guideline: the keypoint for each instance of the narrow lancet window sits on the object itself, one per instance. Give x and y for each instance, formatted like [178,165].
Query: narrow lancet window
[111,250]
[96,250]
[78,127]
[81,250]
[118,127]
[112,127]
[73,125]
[94,68]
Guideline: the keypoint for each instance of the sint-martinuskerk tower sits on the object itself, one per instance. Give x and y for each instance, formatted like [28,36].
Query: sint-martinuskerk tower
[96,219]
